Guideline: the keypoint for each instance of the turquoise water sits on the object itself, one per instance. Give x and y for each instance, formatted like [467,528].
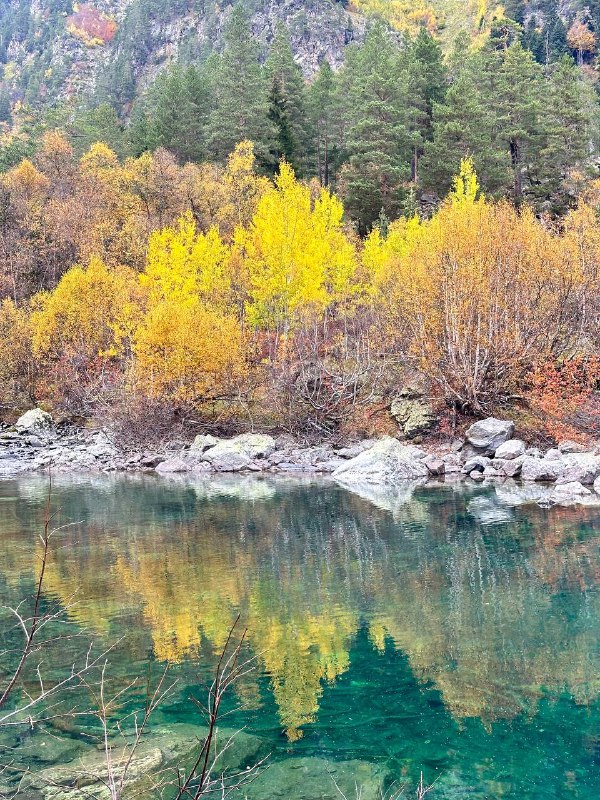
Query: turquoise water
[442,630]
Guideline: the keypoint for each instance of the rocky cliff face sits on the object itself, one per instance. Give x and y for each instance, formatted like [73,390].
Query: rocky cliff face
[58,49]
[112,49]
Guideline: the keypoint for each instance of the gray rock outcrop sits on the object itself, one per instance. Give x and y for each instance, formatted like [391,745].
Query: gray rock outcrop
[387,462]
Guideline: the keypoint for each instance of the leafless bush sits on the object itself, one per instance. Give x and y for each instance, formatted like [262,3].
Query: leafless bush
[327,372]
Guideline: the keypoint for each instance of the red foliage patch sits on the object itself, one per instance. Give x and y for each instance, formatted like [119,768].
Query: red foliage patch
[91,25]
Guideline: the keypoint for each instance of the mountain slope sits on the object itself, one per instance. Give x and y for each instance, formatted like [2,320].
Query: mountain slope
[112,49]
[58,49]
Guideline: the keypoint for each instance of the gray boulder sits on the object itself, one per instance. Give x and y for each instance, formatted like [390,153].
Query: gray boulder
[488,434]
[541,469]
[171,466]
[387,462]
[35,421]
[476,464]
[435,465]
[202,442]
[491,472]
[597,485]
[571,447]
[233,455]
[513,448]
[255,445]
[414,416]
[553,454]
[510,467]
[582,467]
[354,450]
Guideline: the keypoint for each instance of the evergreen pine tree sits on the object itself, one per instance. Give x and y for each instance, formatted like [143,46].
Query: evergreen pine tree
[428,84]
[287,103]
[241,97]
[285,146]
[464,126]
[568,132]
[379,138]
[5,106]
[323,109]
[178,108]
[519,89]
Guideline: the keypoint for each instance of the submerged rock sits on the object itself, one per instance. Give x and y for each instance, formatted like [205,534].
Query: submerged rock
[313,778]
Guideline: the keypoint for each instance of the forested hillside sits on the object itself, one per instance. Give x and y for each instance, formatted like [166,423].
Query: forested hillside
[262,220]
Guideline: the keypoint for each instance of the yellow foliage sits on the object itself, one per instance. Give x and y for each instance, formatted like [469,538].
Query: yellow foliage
[86,313]
[475,291]
[298,258]
[187,352]
[183,266]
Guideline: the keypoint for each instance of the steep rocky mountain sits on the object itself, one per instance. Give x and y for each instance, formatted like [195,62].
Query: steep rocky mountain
[57,48]
[112,49]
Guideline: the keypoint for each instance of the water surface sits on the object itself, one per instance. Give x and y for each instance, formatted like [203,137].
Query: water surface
[444,630]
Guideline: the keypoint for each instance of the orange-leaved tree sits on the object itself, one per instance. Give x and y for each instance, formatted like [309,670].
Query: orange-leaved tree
[478,294]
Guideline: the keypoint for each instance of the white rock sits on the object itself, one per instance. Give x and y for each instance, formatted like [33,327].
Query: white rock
[597,485]
[476,463]
[387,462]
[34,420]
[172,465]
[541,469]
[582,467]
[553,454]
[513,448]
[203,442]
[490,433]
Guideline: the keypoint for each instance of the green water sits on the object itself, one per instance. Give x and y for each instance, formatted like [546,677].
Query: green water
[442,630]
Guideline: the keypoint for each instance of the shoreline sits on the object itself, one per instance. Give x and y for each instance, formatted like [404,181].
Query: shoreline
[488,454]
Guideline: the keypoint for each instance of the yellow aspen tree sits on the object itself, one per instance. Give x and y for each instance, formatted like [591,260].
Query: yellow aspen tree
[298,257]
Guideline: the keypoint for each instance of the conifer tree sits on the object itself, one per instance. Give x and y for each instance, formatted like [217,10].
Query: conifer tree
[519,88]
[286,103]
[241,98]
[568,131]
[428,83]
[178,110]
[464,127]
[323,108]
[379,138]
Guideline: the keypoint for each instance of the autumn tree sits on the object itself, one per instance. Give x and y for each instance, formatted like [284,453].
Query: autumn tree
[463,286]
[298,258]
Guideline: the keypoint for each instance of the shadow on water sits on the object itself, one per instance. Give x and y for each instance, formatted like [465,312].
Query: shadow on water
[439,628]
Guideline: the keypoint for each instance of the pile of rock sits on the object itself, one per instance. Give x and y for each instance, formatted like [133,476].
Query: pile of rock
[489,452]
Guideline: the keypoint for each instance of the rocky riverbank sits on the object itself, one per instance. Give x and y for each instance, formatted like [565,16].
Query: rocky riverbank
[569,473]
